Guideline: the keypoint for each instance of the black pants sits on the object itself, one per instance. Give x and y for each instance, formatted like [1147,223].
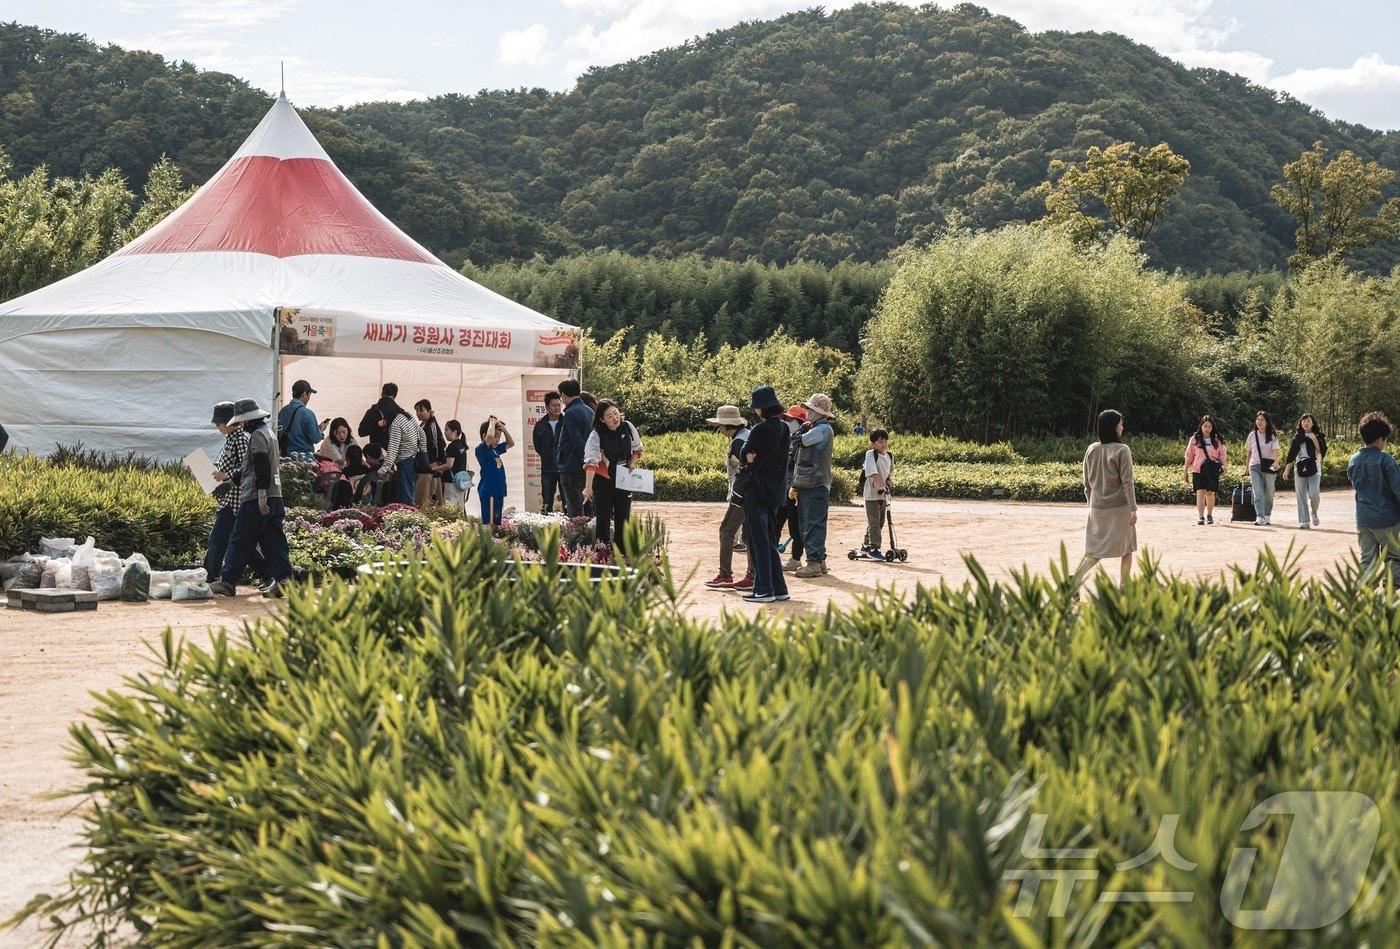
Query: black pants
[252,530]
[571,492]
[790,515]
[613,508]
[549,486]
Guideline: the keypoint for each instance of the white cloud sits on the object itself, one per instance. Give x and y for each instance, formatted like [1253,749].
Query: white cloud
[1253,66]
[1167,25]
[1367,91]
[524,47]
[213,14]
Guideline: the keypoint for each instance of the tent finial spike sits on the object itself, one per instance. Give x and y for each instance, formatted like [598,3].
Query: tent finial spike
[283,65]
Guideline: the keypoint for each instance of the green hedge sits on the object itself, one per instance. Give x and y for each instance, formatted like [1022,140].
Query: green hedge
[161,513]
[438,758]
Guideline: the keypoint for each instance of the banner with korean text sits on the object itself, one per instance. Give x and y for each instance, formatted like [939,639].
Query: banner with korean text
[306,332]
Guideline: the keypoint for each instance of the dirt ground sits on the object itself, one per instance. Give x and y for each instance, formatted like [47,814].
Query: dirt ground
[50,664]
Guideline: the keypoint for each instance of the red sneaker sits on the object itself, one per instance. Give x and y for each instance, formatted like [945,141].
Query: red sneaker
[722,581]
[743,585]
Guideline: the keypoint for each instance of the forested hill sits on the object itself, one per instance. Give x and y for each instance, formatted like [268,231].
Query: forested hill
[821,136]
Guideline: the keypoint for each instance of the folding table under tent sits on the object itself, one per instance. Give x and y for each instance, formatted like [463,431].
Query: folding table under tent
[276,269]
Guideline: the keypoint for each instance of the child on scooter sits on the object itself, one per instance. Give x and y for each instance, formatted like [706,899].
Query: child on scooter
[879,465]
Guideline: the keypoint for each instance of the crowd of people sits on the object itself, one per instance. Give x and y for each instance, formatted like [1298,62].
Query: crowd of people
[779,476]
[1110,489]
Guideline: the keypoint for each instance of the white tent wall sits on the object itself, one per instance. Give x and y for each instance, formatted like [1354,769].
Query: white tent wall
[469,392]
[125,389]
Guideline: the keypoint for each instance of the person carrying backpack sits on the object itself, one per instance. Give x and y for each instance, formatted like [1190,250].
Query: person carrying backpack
[297,431]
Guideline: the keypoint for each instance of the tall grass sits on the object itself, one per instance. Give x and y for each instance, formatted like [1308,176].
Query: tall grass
[438,757]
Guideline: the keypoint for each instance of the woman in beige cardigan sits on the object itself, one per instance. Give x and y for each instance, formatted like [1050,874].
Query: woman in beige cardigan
[1108,487]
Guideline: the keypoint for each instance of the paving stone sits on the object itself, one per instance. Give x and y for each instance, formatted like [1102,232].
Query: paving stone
[54,606]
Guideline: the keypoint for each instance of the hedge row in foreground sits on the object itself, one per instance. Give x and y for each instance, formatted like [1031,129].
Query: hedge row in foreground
[160,513]
[442,757]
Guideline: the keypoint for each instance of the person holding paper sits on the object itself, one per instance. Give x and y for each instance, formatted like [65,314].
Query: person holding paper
[226,471]
[613,442]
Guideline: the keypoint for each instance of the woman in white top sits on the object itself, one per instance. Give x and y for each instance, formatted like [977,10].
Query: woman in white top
[613,442]
[1261,459]
[334,445]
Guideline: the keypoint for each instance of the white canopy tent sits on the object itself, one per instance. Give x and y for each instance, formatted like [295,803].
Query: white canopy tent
[276,269]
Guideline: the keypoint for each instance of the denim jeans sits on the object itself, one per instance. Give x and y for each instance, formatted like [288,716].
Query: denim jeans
[219,538]
[1381,542]
[1263,491]
[813,505]
[254,529]
[768,576]
[1309,491]
[407,480]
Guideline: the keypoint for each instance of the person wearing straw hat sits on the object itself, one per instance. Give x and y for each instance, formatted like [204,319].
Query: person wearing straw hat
[811,476]
[762,483]
[730,422]
[260,509]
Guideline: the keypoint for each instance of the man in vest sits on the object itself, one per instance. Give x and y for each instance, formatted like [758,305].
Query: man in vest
[811,477]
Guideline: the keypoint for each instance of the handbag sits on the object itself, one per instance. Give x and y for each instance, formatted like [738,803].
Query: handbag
[1306,467]
[1210,466]
[1270,462]
[421,461]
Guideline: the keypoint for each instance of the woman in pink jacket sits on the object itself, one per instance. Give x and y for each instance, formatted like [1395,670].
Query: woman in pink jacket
[1205,463]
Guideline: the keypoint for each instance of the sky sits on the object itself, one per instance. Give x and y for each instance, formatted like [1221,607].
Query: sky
[1341,56]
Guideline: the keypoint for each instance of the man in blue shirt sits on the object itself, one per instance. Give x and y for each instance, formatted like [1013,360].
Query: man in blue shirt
[1375,477]
[299,423]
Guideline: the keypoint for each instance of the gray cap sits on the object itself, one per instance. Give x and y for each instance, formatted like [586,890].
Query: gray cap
[245,410]
[223,411]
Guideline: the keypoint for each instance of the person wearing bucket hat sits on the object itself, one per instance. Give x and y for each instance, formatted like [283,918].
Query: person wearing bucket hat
[258,523]
[227,470]
[794,418]
[811,477]
[730,422]
[761,484]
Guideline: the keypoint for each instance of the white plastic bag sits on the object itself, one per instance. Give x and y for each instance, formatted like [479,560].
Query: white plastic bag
[83,557]
[161,582]
[191,591]
[106,577]
[197,575]
[58,574]
[8,571]
[56,546]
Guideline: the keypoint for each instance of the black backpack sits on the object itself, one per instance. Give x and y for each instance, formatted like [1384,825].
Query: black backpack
[860,487]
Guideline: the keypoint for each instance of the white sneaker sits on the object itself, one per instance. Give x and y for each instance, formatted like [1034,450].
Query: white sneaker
[1266,522]
[1304,526]
[1258,522]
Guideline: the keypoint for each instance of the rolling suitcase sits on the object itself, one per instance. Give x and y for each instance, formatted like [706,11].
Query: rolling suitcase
[1242,503]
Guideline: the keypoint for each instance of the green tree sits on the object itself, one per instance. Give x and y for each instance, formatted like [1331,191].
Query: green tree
[1338,334]
[999,334]
[1133,186]
[164,192]
[1334,203]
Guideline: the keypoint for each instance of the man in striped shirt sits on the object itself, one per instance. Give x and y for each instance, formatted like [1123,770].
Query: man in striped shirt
[406,440]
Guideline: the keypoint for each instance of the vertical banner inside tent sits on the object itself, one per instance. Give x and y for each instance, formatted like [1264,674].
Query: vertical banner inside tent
[533,388]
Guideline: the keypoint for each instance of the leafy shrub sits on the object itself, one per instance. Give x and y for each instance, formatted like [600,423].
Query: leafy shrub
[299,484]
[442,757]
[158,513]
[666,386]
[1019,330]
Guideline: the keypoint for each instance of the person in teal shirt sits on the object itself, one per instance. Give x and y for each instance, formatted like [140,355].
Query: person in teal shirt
[496,440]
